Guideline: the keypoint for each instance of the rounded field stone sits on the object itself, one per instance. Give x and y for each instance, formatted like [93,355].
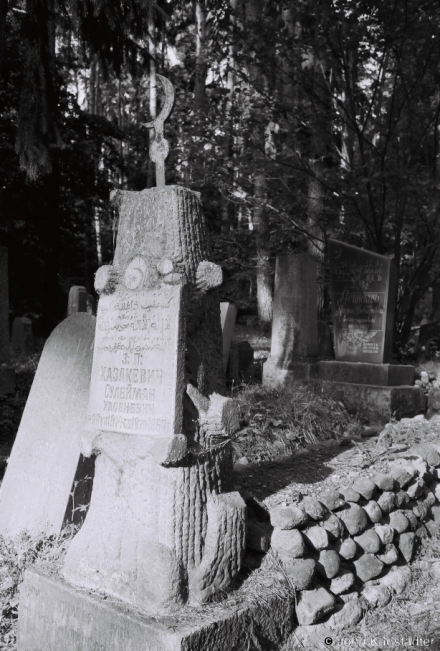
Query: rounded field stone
[384,482]
[387,501]
[385,533]
[342,583]
[369,541]
[331,499]
[415,490]
[376,595]
[402,498]
[373,511]
[314,509]
[300,572]
[349,494]
[328,563]
[333,526]
[348,549]
[429,498]
[313,605]
[364,487]
[412,519]
[427,452]
[316,537]
[402,476]
[287,517]
[421,511]
[435,487]
[397,579]
[349,615]
[406,545]
[288,542]
[435,512]
[399,522]
[389,555]
[422,532]
[368,567]
[354,518]
[433,528]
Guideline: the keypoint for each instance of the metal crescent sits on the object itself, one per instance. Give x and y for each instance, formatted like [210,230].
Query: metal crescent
[167,105]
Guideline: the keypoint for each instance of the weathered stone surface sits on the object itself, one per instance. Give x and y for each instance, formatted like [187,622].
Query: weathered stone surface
[422,532]
[427,452]
[351,280]
[364,487]
[287,517]
[389,555]
[164,526]
[39,478]
[354,518]
[429,498]
[288,543]
[301,572]
[328,563]
[368,567]
[257,537]
[331,499]
[433,528]
[435,487]
[333,526]
[373,511]
[349,615]
[316,537]
[435,512]
[53,615]
[77,301]
[433,403]
[348,549]
[380,404]
[399,522]
[421,470]
[387,501]
[342,583]
[349,494]
[313,605]
[294,321]
[384,482]
[420,510]
[376,595]
[416,489]
[364,373]
[397,579]
[402,476]
[228,314]
[402,498]
[406,545]
[369,541]
[385,533]
[314,509]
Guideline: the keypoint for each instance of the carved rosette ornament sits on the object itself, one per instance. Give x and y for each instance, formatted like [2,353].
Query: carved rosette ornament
[163,527]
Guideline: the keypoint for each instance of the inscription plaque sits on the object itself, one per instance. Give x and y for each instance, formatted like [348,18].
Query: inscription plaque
[136,360]
[363,286]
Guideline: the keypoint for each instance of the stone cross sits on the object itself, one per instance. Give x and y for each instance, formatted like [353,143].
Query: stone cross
[164,526]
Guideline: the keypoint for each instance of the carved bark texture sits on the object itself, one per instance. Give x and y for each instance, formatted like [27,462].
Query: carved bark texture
[163,525]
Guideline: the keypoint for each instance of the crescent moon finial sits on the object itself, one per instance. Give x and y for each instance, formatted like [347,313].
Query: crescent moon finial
[159,146]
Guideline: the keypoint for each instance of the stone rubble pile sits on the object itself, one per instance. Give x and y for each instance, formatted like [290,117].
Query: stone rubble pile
[337,548]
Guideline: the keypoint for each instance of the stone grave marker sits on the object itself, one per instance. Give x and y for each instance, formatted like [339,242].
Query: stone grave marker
[228,314]
[7,373]
[91,304]
[363,286]
[45,458]
[22,339]
[294,345]
[78,299]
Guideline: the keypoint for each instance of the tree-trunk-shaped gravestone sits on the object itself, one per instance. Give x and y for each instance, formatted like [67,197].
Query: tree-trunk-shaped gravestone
[163,526]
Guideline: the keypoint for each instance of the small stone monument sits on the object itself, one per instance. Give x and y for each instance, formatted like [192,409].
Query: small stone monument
[228,314]
[7,373]
[22,339]
[363,286]
[294,346]
[164,527]
[78,300]
[43,465]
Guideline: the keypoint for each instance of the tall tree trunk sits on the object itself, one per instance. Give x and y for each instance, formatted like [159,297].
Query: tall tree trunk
[152,49]
[200,72]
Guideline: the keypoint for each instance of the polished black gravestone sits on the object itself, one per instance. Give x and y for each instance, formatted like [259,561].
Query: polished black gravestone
[363,290]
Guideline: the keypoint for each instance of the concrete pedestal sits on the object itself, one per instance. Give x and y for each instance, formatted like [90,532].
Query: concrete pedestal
[275,375]
[53,615]
[379,403]
[363,373]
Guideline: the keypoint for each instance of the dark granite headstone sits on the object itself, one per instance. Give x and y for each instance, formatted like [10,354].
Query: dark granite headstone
[78,299]
[22,340]
[42,467]
[363,288]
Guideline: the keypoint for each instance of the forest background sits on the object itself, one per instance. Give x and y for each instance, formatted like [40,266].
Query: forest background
[296,120]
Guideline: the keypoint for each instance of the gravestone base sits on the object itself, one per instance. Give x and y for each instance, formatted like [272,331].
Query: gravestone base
[276,376]
[379,403]
[7,380]
[364,373]
[53,615]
